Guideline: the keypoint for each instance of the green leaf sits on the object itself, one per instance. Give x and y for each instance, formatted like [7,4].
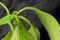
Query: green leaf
[49,22]
[35,33]
[20,32]
[33,30]
[8,36]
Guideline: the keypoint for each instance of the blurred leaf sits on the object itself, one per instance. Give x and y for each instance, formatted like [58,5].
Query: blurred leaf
[49,22]
[35,33]
[20,32]
[33,30]
[8,36]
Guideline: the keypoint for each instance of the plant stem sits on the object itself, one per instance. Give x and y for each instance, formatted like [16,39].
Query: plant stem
[11,26]
[7,11]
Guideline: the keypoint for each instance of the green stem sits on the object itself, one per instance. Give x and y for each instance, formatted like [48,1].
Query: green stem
[7,11]
[26,20]
[17,21]
[11,26]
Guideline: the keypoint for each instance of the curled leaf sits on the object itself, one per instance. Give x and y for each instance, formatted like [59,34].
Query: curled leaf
[49,22]
[33,30]
[20,32]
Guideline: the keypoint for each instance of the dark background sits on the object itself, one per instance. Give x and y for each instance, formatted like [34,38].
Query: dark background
[50,6]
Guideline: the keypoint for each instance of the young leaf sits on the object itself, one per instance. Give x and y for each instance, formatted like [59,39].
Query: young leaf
[49,22]
[20,32]
[33,30]
[8,36]
[35,33]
